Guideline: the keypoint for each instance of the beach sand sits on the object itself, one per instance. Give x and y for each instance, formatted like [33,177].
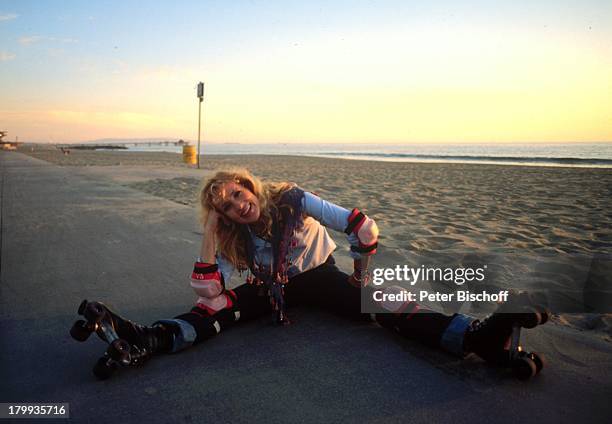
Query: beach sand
[542,229]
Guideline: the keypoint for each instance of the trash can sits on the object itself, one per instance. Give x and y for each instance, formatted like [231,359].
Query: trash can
[190,155]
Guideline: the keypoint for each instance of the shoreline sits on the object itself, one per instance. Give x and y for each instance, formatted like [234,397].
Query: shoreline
[473,162]
[546,162]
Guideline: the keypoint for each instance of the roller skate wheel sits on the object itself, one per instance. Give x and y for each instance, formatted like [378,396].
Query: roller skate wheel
[535,318]
[104,368]
[82,307]
[94,312]
[524,368]
[80,331]
[539,360]
[545,314]
[119,350]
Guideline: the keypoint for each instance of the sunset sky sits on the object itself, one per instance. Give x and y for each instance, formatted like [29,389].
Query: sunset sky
[316,71]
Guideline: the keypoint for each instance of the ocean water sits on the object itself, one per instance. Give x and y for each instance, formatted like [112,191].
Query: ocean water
[562,154]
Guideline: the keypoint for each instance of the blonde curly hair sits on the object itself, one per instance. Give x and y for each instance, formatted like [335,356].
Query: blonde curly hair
[230,238]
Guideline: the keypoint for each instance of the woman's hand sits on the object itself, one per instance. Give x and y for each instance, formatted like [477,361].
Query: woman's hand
[213,221]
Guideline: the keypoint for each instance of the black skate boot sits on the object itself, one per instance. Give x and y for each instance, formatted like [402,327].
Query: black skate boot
[130,344]
[496,339]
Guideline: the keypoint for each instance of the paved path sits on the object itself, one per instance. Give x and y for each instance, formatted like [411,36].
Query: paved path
[66,237]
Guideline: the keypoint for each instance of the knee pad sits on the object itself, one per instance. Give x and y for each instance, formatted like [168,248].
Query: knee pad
[213,305]
[231,312]
[220,305]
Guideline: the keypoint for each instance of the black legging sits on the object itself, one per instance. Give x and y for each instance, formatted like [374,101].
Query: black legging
[325,287]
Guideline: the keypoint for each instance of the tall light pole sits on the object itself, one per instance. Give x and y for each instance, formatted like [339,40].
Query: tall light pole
[201,98]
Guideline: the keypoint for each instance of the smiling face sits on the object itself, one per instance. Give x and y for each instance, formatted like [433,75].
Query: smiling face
[237,203]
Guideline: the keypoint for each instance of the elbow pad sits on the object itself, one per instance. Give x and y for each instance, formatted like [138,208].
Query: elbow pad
[366,231]
[208,283]
[206,280]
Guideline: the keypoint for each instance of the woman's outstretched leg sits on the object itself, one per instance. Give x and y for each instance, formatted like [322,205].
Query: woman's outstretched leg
[459,334]
[143,341]
[246,302]
[136,343]
[328,287]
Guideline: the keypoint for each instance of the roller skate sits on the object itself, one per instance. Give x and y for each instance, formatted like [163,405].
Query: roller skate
[496,339]
[130,344]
